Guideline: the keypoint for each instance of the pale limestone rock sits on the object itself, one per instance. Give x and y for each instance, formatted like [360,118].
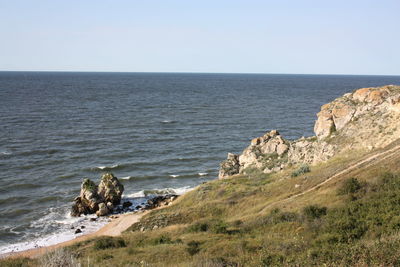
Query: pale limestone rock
[324,125]
[342,114]
[282,149]
[365,118]
[110,189]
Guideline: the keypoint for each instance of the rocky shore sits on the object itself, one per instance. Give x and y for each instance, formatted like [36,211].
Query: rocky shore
[366,118]
[105,199]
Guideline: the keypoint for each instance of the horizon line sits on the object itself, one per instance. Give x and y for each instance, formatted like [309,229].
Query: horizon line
[197,72]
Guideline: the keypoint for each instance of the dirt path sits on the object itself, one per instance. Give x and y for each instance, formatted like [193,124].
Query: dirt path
[368,161]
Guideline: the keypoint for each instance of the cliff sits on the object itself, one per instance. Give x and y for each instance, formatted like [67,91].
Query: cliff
[367,118]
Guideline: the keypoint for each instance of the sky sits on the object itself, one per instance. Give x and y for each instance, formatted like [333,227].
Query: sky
[222,36]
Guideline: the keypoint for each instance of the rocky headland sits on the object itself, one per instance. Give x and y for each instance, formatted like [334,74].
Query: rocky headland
[367,118]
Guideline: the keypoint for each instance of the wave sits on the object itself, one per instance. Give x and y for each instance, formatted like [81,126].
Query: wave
[203,173]
[13,187]
[6,153]
[164,191]
[126,178]
[13,200]
[39,152]
[66,231]
[106,168]
[174,175]
[168,121]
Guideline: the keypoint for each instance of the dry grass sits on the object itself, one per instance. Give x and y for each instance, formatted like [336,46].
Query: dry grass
[257,223]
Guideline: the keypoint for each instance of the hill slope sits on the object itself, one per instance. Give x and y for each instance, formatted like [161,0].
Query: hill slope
[339,211]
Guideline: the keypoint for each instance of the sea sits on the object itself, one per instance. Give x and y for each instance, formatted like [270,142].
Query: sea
[157,132]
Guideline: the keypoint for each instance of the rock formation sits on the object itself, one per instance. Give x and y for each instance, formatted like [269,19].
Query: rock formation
[98,199]
[365,118]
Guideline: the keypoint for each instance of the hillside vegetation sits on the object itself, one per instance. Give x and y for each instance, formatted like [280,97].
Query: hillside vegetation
[341,211]
[254,220]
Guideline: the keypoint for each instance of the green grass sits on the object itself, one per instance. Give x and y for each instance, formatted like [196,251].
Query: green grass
[304,168]
[245,221]
[108,242]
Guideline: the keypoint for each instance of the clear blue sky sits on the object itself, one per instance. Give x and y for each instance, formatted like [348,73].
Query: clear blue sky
[270,36]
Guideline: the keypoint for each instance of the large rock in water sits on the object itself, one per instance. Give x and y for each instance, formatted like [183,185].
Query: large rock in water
[366,118]
[110,189]
[98,199]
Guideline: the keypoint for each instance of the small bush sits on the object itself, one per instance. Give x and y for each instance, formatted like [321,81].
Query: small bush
[193,247]
[313,212]
[59,257]
[276,216]
[108,242]
[301,170]
[272,260]
[349,186]
[162,240]
[198,227]
[219,227]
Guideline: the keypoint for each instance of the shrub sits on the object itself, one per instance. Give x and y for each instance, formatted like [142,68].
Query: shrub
[219,227]
[304,168]
[193,247]
[276,216]
[59,257]
[108,242]
[349,186]
[162,240]
[198,227]
[313,212]
[272,260]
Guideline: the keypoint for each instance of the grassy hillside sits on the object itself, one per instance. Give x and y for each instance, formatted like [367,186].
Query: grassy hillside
[269,220]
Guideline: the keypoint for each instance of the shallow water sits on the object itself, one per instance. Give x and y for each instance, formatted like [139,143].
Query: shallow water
[152,130]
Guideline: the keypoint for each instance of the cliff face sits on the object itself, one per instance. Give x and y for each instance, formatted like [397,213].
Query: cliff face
[366,118]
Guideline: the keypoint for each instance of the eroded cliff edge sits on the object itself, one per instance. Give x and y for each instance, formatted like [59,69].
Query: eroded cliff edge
[366,118]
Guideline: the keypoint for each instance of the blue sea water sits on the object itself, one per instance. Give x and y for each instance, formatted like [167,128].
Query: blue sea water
[153,130]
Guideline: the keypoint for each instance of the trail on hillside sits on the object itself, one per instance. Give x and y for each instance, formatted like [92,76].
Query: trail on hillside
[368,161]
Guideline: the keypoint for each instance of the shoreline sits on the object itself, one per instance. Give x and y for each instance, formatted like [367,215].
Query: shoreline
[113,228]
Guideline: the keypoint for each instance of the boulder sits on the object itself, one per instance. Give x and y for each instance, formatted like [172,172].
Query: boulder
[229,167]
[282,149]
[103,210]
[110,189]
[88,199]
[324,125]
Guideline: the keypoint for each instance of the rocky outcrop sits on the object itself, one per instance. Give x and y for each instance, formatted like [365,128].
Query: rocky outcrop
[110,189]
[98,199]
[230,166]
[365,118]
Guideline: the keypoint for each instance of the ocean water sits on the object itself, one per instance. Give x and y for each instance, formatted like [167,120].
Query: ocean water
[154,131]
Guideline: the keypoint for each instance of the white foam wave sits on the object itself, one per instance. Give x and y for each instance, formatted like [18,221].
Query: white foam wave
[68,225]
[5,153]
[108,167]
[143,193]
[126,178]
[203,173]
[135,195]
[168,121]
[174,175]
